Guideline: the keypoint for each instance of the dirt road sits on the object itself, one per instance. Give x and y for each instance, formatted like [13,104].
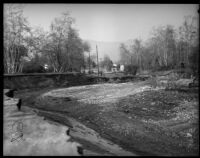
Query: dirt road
[137,117]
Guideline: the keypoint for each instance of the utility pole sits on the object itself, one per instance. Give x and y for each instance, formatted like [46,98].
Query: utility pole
[131,60]
[97,59]
[84,60]
[89,62]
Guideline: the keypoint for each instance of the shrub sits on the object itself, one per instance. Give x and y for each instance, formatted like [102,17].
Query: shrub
[131,69]
[33,68]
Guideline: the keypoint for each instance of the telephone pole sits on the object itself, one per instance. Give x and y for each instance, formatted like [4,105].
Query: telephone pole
[97,59]
[89,62]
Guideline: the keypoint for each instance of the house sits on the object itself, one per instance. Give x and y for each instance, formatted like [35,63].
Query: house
[114,68]
[46,67]
[122,68]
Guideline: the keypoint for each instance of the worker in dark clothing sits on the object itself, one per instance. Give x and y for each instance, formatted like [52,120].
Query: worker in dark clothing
[182,65]
[68,131]
[19,104]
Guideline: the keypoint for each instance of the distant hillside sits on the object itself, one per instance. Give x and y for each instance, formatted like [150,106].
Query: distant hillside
[109,48]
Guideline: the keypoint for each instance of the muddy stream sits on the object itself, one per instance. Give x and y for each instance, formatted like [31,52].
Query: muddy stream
[92,142]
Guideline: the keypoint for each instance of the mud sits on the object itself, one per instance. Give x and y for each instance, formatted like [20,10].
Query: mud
[135,116]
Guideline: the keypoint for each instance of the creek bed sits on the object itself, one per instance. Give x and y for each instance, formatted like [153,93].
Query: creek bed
[141,119]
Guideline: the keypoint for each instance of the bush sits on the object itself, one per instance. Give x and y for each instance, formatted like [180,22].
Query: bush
[131,69]
[33,68]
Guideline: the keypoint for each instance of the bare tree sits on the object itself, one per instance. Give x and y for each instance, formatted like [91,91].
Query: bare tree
[137,51]
[64,48]
[15,31]
[188,33]
[107,63]
[125,55]
[166,48]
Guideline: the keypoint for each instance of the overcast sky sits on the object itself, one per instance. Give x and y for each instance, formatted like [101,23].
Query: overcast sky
[111,22]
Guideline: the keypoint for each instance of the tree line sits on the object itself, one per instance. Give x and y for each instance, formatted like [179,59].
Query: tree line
[27,48]
[167,48]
